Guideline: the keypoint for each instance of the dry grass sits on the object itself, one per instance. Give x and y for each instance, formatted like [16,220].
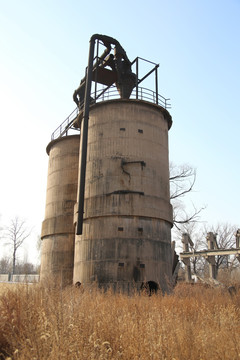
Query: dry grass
[192,323]
[5,286]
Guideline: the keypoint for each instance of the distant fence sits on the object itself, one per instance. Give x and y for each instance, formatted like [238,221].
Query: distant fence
[21,278]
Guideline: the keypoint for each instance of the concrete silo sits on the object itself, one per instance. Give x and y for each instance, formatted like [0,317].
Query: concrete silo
[58,231]
[122,213]
[126,235]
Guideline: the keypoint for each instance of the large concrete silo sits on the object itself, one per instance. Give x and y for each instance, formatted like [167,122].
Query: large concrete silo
[113,192]
[126,237]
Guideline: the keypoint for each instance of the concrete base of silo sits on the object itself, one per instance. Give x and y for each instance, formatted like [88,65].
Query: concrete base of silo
[124,253]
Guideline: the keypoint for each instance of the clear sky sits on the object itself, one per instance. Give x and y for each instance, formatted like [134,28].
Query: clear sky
[44,52]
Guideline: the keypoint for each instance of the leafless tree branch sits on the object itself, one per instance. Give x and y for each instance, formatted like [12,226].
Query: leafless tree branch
[182,180]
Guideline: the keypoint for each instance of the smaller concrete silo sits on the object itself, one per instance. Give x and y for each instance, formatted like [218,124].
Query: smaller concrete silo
[57,228]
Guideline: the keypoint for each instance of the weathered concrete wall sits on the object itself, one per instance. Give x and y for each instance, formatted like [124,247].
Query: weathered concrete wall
[57,227]
[4,277]
[27,278]
[128,216]
[31,278]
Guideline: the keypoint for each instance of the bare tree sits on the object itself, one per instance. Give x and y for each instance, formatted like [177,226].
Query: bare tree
[182,180]
[5,265]
[26,268]
[16,233]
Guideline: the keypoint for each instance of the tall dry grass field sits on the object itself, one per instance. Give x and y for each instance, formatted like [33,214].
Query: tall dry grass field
[46,323]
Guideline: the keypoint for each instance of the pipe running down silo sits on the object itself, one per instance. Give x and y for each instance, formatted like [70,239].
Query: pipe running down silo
[119,54]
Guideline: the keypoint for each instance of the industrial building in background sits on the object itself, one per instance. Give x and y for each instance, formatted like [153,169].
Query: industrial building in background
[108,216]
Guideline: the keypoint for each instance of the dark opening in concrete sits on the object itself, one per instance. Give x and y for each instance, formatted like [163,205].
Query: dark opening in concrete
[150,287]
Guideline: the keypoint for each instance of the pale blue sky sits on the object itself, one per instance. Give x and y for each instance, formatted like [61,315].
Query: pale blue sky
[44,52]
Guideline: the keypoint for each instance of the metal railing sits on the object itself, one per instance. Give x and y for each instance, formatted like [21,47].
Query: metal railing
[64,127]
[143,94]
[110,94]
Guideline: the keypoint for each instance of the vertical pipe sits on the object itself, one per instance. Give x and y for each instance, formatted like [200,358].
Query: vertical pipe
[137,78]
[96,74]
[84,136]
[156,84]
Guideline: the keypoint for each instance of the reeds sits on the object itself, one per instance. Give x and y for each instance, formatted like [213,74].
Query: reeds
[50,323]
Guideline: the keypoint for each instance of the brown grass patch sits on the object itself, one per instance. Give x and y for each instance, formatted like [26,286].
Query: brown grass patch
[46,323]
[4,287]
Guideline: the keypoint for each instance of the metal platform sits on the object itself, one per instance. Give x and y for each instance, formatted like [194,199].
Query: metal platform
[112,93]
